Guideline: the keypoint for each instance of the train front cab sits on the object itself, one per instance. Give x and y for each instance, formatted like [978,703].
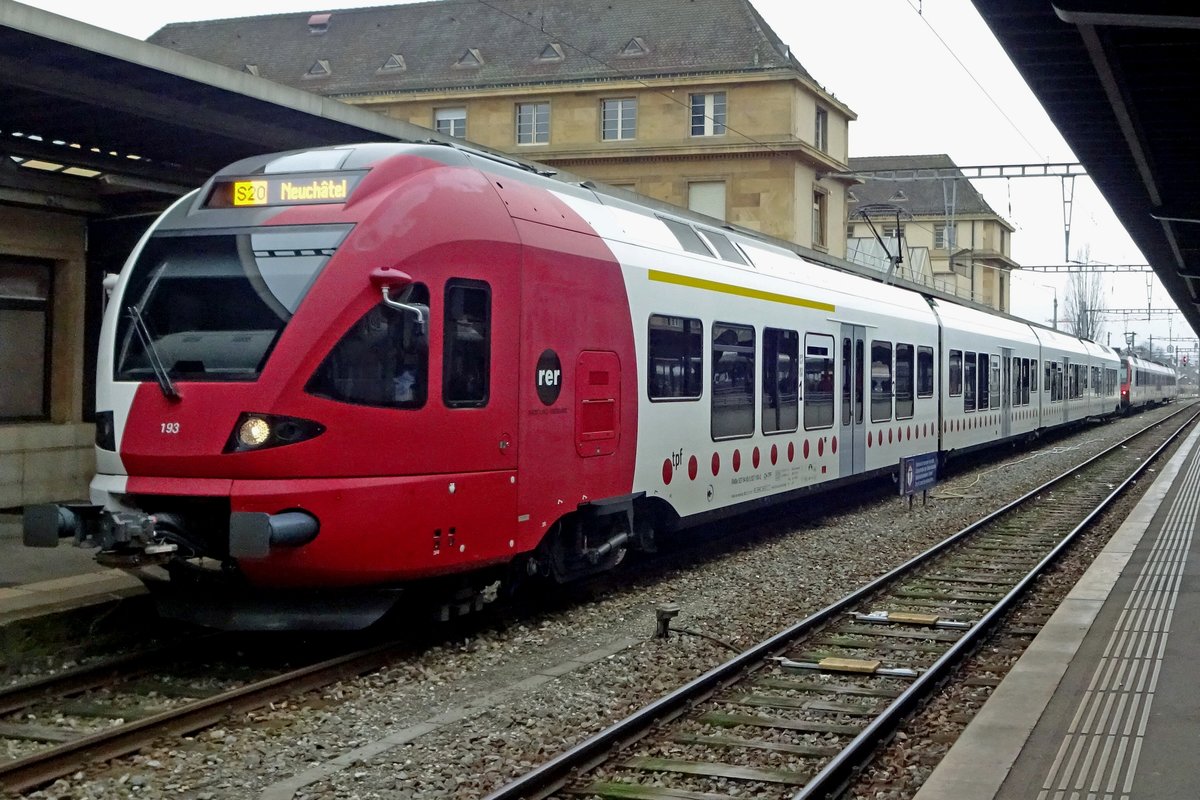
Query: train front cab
[374,438]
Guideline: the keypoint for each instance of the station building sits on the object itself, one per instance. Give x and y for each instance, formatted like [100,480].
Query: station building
[696,103]
[951,238]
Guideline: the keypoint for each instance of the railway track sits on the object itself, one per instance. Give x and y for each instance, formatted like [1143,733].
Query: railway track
[797,716]
[55,725]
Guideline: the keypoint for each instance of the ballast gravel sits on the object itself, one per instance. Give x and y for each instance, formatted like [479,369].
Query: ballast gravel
[464,717]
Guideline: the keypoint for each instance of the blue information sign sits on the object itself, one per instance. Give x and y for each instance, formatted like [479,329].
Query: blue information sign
[918,473]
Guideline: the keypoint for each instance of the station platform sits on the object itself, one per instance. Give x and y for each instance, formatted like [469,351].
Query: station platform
[35,581]
[1103,705]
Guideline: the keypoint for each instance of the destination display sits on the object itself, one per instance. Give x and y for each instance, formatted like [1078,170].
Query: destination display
[283,190]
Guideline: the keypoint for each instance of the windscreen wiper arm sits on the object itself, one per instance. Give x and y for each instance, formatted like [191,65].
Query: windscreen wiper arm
[160,372]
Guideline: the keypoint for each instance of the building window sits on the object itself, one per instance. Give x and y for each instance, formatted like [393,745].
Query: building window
[708,114]
[707,197]
[821,133]
[819,219]
[891,231]
[618,119]
[451,122]
[943,237]
[533,123]
[25,331]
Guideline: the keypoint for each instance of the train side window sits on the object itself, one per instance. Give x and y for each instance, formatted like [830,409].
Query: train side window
[1047,382]
[1033,376]
[904,381]
[780,381]
[383,360]
[732,380]
[881,381]
[1025,372]
[984,393]
[924,372]
[466,344]
[994,383]
[956,373]
[859,398]
[818,381]
[969,382]
[676,358]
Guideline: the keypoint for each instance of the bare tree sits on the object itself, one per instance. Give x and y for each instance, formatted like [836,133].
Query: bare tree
[1084,303]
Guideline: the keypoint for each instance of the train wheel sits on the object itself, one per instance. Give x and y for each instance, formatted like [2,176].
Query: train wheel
[579,544]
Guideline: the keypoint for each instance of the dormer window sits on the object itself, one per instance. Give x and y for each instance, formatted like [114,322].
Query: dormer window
[251,68]
[552,52]
[635,47]
[318,24]
[471,59]
[319,69]
[395,63]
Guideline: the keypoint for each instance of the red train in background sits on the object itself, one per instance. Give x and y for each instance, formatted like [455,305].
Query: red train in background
[1146,383]
[328,378]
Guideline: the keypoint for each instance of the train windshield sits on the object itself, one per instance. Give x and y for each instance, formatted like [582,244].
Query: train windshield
[213,305]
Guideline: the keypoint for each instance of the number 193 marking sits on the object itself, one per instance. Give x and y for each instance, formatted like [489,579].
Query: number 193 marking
[170,428]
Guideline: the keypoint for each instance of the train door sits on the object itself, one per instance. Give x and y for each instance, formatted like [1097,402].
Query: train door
[1006,384]
[853,453]
[479,372]
[1064,392]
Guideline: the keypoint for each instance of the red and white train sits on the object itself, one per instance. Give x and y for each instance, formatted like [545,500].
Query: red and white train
[1146,383]
[328,377]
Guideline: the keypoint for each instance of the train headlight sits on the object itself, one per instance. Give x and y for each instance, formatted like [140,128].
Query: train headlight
[262,431]
[254,432]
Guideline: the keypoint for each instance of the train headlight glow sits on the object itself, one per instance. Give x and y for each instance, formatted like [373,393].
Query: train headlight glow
[254,432]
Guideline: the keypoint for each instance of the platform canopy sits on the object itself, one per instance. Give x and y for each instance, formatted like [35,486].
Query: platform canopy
[97,123]
[1120,79]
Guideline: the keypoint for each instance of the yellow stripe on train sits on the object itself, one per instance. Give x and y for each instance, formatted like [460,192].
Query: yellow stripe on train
[741,291]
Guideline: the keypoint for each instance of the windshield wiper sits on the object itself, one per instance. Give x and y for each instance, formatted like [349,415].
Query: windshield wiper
[160,372]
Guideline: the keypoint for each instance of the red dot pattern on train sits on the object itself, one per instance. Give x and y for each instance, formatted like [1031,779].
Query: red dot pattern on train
[897,434]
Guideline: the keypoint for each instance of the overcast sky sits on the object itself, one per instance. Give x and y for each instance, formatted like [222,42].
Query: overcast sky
[923,76]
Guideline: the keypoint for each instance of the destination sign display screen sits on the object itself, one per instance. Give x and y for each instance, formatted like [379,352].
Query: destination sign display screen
[283,190]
